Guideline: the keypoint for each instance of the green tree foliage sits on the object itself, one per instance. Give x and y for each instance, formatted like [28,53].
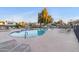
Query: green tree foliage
[43,17]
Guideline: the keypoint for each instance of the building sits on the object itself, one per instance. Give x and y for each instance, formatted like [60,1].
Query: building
[6,24]
[2,22]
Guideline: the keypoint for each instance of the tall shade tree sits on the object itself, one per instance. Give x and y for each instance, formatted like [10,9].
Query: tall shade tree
[44,18]
[60,22]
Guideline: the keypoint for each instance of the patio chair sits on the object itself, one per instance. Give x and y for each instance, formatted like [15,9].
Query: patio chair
[8,45]
[13,46]
[22,48]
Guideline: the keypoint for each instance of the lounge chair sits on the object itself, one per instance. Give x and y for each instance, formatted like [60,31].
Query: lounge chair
[22,48]
[8,45]
[14,46]
[68,30]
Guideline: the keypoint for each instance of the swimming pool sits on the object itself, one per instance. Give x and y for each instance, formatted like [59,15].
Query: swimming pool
[28,33]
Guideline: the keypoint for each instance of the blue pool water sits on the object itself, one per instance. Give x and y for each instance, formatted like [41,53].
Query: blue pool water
[28,33]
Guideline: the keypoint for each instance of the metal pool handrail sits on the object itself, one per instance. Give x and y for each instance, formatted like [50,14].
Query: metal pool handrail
[25,34]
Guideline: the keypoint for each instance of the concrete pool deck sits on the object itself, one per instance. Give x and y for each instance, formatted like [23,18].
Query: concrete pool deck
[54,40]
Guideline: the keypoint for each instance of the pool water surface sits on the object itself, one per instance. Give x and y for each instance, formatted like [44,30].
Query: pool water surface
[28,33]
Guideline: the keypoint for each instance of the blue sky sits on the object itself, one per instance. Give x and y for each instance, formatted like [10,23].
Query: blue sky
[30,14]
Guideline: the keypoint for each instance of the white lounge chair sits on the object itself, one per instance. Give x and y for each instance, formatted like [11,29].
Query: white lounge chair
[14,46]
[22,48]
[8,45]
